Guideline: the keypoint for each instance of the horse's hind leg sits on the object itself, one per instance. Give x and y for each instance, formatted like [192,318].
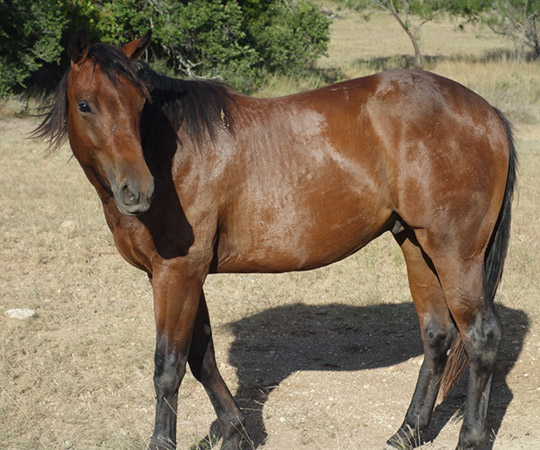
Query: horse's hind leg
[481,332]
[464,285]
[202,362]
[437,330]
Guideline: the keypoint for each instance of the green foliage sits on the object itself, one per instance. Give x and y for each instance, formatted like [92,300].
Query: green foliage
[30,35]
[122,20]
[469,8]
[204,38]
[289,38]
[424,9]
[237,40]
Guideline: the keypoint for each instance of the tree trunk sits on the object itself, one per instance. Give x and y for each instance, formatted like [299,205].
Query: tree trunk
[418,59]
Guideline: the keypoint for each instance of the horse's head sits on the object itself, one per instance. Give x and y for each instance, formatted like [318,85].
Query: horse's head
[105,98]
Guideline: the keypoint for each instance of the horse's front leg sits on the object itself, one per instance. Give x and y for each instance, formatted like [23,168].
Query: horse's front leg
[202,361]
[176,302]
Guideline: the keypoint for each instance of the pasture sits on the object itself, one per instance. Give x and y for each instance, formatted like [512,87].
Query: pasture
[325,359]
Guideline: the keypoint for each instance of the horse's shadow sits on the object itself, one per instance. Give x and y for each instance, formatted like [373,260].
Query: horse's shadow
[271,345]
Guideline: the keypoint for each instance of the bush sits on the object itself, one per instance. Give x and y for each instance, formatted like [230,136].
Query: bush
[206,38]
[237,40]
[290,38]
[30,34]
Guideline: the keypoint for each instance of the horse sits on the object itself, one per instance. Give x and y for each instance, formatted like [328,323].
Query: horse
[195,179]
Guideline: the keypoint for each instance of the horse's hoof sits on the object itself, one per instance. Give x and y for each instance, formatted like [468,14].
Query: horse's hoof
[233,443]
[406,438]
[161,444]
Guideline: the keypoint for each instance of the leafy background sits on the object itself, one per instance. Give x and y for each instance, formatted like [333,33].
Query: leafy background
[241,41]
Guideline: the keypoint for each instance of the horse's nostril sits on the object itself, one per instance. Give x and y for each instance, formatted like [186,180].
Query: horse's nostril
[130,197]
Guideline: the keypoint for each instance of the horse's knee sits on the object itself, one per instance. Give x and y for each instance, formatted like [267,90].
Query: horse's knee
[483,337]
[167,381]
[437,340]
[169,370]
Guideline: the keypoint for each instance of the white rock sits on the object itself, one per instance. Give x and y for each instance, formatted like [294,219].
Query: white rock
[20,313]
[68,226]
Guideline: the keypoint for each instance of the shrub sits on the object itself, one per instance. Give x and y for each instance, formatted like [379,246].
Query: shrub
[30,34]
[237,40]
[290,38]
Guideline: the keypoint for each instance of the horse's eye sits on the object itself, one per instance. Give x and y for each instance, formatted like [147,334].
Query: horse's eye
[84,107]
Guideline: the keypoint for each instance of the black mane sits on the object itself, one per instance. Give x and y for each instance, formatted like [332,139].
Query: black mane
[199,105]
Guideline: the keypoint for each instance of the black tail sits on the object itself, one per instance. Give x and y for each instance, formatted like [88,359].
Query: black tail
[493,264]
[496,251]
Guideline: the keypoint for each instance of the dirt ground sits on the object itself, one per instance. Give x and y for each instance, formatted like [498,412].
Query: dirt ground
[326,359]
[319,360]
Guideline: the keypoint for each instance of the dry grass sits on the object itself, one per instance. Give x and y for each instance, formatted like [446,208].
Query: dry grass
[380,38]
[477,58]
[79,375]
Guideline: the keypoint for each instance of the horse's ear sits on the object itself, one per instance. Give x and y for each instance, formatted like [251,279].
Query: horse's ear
[78,46]
[136,48]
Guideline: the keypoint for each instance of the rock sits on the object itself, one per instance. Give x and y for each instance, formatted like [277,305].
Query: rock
[20,313]
[68,226]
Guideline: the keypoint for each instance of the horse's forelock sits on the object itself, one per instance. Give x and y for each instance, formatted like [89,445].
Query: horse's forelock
[113,63]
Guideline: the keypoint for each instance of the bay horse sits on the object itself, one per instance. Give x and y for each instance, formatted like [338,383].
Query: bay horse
[195,179]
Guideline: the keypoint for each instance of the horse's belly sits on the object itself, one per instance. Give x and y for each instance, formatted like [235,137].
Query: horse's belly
[300,238]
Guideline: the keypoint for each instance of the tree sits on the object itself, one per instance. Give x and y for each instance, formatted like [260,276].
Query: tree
[204,38]
[411,15]
[518,20]
[515,19]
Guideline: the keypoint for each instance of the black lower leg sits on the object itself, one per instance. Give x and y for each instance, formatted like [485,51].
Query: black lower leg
[437,341]
[170,368]
[482,342]
[202,362]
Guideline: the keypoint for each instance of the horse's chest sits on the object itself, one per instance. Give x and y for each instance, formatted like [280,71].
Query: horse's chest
[132,241]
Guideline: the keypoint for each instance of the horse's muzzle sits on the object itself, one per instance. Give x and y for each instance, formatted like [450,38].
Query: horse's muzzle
[132,199]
